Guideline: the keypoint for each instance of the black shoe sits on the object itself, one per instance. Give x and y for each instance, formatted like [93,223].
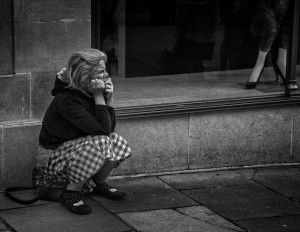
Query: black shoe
[72,201]
[252,84]
[278,72]
[109,192]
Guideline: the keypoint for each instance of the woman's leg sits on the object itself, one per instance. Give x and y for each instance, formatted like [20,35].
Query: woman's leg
[281,60]
[284,33]
[71,199]
[105,171]
[259,65]
[265,44]
[103,188]
[75,187]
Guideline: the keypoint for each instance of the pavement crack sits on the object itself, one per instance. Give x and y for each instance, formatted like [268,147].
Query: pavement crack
[203,221]
[177,190]
[213,187]
[254,173]
[8,227]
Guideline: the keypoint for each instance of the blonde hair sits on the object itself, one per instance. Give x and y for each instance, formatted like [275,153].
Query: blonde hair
[80,67]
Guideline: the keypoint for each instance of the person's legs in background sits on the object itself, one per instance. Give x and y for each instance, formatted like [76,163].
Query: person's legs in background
[280,64]
[266,42]
[258,67]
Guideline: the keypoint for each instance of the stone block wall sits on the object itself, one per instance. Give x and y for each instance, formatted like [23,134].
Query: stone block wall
[6,37]
[159,144]
[295,137]
[36,40]
[25,96]
[235,138]
[46,33]
[18,144]
[221,139]
[241,138]
[14,97]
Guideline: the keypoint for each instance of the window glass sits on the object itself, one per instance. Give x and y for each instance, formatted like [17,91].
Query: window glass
[228,43]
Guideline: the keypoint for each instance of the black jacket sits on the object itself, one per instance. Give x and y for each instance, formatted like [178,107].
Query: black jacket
[73,114]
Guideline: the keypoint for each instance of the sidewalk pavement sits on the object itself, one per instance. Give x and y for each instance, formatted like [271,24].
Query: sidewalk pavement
[255,199]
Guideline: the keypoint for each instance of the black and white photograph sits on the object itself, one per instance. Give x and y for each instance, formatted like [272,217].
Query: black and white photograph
[149,116]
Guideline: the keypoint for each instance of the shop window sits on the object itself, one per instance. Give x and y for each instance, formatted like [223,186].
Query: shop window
[213,44]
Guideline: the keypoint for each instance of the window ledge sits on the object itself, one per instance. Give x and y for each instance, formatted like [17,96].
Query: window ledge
[196,92]
[205,106]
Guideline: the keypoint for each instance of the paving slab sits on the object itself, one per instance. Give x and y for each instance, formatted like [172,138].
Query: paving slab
[168,220]
[273,224]
[205,179]
[284,180]
[2,226]
[145,194]
[244,201]
[6,203]
[204,214]
[54,217]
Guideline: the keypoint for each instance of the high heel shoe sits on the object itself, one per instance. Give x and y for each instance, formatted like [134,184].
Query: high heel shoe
[252,84]
[278,72]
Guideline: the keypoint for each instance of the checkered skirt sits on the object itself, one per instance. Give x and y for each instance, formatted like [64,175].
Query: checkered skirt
[78,160]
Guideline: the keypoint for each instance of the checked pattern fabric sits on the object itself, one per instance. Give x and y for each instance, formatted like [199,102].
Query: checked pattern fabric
[78,160]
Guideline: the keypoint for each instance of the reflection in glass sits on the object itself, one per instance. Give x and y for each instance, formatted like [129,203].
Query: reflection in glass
[269,20]
[194,36]
[109,20]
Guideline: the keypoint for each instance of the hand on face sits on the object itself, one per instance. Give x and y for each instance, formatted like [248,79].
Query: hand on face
[97,87]
[109,89]
[101,85]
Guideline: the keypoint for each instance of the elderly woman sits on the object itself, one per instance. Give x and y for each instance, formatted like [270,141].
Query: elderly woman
[77,142]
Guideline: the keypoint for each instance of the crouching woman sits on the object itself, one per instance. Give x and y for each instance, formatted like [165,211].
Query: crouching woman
[78,131]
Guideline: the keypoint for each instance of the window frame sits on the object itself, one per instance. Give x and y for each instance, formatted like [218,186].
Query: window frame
[291,83]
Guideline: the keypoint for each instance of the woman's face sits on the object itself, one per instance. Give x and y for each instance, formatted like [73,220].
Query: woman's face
[99,72]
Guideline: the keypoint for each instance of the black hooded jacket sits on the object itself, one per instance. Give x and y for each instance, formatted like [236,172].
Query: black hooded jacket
[73,114]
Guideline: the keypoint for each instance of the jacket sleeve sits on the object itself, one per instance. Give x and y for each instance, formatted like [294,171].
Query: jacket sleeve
[74,111]
[112,116]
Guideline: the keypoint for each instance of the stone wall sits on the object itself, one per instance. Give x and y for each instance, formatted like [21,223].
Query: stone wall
[236,138]
[212,140]
[36,40]
[46,33]
[6,37]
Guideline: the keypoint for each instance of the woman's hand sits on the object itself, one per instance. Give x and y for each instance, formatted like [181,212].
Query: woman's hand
[97,87]
[109,89]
